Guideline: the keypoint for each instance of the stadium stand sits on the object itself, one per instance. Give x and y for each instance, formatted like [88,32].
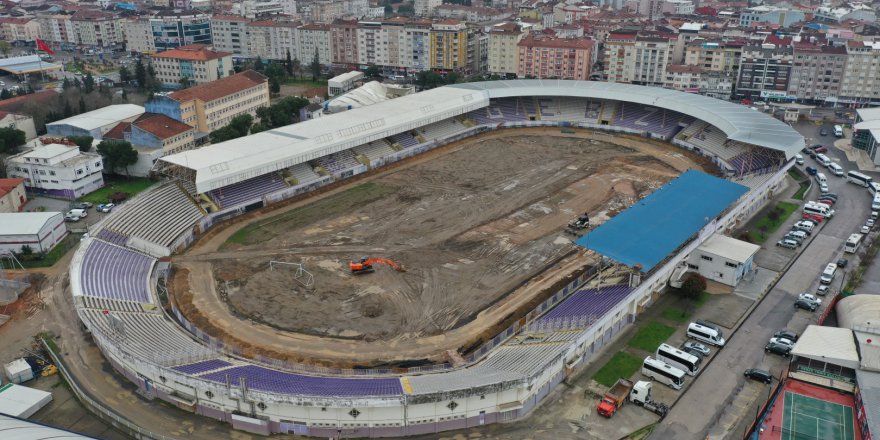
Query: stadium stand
[374,150]
[338,162]
[93,302]
[110,271]
[114,237]
[609,110]
[404,139]
[588,302]
[203,366]
[660,122]
[303,173]
[265,379]
[158,216]
[248,191]
[442,129]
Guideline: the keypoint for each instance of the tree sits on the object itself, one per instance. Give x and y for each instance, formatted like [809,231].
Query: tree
[117,155]
[288,63]
[296,66]
[82,104]
[124,75]
[5,48]
[68,110]
[185,82]
[693,286]
[83,142]
[316,66]
[124,95]
[10,139]
[258,64]
[65,84]
[372,72]
[89,83]
[5,94]
[239,126]
[406,9]
[389,10]
[274,85]
[140,74]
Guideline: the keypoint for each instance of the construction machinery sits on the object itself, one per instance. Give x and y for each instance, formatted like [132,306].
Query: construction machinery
[365,265]
[578,225]
[639,393]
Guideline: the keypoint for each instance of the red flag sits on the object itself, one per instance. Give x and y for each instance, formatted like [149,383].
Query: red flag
[43,47]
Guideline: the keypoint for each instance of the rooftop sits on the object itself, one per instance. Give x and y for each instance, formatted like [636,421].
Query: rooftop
[47,151]
[654,227]
[101,117]
[832,344]
[160,125]
[26,64]
[24,223]
[7,185]
[193,52]
[730,248]
[564,43]
[220,88]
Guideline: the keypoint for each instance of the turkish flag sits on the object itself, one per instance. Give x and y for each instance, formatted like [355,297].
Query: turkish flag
[43,47]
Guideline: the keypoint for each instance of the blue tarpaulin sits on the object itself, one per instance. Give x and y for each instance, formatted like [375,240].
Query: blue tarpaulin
[657,225]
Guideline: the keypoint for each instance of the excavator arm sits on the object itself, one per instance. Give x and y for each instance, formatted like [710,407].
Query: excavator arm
[365,265]
[385,261]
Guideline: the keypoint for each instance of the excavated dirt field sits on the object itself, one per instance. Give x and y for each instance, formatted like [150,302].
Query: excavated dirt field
[469,227]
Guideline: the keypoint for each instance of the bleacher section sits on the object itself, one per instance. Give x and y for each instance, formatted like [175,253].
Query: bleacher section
[94,302]
[338,162]
[112,237]
[692,129]
[303,173]
[248,190]
[374,150]
[203,367]
[588,302]
[442,129]
[114,272]
[713,140]
[609,109]
[159,216]
[753,160]
[265,379]
[405,139]
[661,122]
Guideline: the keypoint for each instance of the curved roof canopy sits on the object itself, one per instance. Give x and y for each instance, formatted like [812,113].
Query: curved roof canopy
[240,159]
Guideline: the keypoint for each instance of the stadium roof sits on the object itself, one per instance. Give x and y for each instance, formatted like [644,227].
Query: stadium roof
[111,114]
[251,156]
[830,344]
[738,122]
[24,223]
[26,64]
[12,428]
[657,225]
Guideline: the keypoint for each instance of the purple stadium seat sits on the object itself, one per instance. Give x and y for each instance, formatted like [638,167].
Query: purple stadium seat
[264,379]
[201,367]
[251,189]
[115,272]
[588,302]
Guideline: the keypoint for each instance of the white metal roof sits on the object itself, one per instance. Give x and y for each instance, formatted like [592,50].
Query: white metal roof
[47,151]
[27,64]
[868,114]
[243,158]
[729,248]
[12,428]
[859,312]
[22,401]
[102,116]
[347,76]
[830,344]
[869,388]
[24,223]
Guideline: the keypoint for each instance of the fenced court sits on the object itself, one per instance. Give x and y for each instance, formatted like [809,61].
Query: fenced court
[807,418]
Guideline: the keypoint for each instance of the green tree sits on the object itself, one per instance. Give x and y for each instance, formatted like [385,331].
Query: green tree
[5,94]
[5,48]
[239,126]
[118,155]
[372,72]
[82,104]
[406,9]
[124,75]
[83,142]
[693,286]
[296,66]
[89,83]
[288,64]
[185,82]
[124,95]
[10,139]
[140,74]
[316,66]
[389,10]
[274,85]
[68,110]
[258,64]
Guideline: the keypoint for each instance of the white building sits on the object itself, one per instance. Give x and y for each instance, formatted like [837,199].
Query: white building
[41,231]
[342,83]
[425,8]
[96,122]
[57,170]
[723,259]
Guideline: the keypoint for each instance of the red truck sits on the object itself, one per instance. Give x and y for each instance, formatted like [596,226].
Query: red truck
[614,398]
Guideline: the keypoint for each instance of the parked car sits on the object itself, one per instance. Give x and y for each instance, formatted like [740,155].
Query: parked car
[842,262]
[826,201]
[805,225]
[798,240]
[823,187]
[869,222]
[865,229]
[82,205]
[822,290]
[787,243]
[783,341]
[796,228]
[756,374]
[815,217]
[798,159]
[830,196]
[806,305]
[810,297]
[105,207]
[811,171]
[811,221]
[780,349]
[823,131]
[787,334]
[72,217]
[820,149]
[692,345]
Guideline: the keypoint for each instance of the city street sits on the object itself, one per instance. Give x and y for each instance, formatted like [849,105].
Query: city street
[718,401]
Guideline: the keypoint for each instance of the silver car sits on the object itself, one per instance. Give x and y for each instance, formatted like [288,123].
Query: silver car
[787,243]
[696,346]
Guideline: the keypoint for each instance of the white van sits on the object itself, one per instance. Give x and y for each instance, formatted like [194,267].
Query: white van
[819,209]
[875,204]
[705,334]
[838,131]
[828,273]
[820,177]
[836,169]
[81,213]
[823,159]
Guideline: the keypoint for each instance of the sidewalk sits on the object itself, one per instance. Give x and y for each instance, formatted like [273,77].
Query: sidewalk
[859,157]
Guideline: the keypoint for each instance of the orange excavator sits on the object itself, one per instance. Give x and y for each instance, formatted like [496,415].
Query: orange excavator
[365,265]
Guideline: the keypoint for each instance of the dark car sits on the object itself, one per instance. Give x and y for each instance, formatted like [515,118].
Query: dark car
[82,205]
[842,262]
[823,131]
[832,196]
[811,171]
[821,150]
[783,350]
[806,305]
[756,374]
[786,334]
[692,351]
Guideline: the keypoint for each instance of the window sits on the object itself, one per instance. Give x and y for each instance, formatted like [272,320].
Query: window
[706,257]
[729,264]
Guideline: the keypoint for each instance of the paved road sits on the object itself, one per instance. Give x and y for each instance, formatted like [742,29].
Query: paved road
[719,398]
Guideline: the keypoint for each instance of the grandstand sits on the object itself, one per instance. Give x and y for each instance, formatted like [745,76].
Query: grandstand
[502,380]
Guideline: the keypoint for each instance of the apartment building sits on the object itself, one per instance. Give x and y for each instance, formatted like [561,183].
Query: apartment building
[312,38]
[683,78]
[638,59]
[198,62]
[57,170]
[770,14]
[717,85]
[210,106]
[714,55]
[344,42]
[816,72]
[153,135]
[96,28]
[425,8]
[551,57]
[56,28]
[19,29]
[765,68]
[271,39]
[449,45]
[229,34]
[503,51]
[139,35]
[861,78]
[167,30]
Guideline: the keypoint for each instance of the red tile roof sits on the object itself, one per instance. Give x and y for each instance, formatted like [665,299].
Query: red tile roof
[117,133]
[7,185]
[193,52]
[160,125]
[222,87]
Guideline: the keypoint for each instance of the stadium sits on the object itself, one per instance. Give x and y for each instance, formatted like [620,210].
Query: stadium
[469,187]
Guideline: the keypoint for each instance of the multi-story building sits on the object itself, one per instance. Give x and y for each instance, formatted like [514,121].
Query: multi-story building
[229,34]
[311,39]
[449,45]
[19,29]
[866,132]
[503,53]
[198,62]
[271,39]
[713,55]
[57,28]
[167,30]
[717,85]
[425,8]
[817,72]
[139,35]
[259,8]
[682,77]
[853,11]
[478,52]
[861,78]
[471,14]
[344,42]
[24,123]
[325,11]
[208,107]
[96,28]
[770,14]
[57,170]
[153,135]
[552,57]
[638,59]
[12,195]
[764,72]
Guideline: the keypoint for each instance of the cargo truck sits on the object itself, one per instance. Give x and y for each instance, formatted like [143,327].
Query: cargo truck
[640,394]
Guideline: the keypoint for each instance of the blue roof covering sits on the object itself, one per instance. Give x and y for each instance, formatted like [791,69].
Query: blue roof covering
[655,226]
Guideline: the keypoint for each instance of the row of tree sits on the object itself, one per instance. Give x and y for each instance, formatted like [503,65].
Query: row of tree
[283,112]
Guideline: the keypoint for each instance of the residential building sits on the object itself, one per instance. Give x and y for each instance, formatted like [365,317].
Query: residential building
[861,78]
[40,231]
[20,122]
[717,85]
[259,8]
[552,57]
[677,7]
[714,55]
[19,29]
[770,14]
[271,39]
[638,59]
[683,78]
[139,35]
[471,14]
[210,106]
[96,28]
[817,72]
[449,45]
[57,28]
[325,11]
[57,170]
[311,39]
[96,122]
[764,72]
[503,51]
[478,52]
[198,62]
[866,132]
[425,8]
[344,42]
[851,11]
[12,195]
[168,29]
[153,135]
[229,34]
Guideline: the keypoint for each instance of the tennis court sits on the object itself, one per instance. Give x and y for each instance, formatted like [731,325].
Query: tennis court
[807,418]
